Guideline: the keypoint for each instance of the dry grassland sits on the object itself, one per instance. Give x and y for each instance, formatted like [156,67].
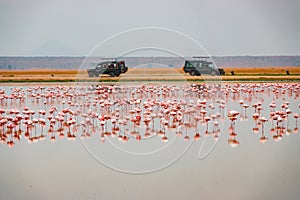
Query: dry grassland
[144,74]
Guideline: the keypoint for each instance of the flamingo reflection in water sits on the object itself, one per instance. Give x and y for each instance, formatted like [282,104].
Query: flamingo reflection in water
[232,115]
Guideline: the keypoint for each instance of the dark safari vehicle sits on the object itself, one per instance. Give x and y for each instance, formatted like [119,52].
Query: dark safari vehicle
[112,68]
[200,65]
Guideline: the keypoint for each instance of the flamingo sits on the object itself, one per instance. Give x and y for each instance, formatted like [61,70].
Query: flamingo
[296,116]
[263,138]
[148,110]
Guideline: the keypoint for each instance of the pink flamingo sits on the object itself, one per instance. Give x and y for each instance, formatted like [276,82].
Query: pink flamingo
[296,116]
[263,138]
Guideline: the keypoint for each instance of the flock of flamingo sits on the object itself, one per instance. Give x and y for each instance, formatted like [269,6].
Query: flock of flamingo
[135,113]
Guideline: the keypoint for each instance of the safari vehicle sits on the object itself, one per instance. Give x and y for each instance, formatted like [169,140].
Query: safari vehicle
[200,65]
[112,68]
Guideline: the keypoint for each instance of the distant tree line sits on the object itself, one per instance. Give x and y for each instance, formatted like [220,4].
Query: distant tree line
[11,63]
[9,67]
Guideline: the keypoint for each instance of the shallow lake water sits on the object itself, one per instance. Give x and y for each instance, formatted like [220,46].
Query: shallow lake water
[84,156]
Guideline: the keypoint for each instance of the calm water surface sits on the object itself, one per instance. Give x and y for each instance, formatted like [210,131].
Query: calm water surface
[64,169]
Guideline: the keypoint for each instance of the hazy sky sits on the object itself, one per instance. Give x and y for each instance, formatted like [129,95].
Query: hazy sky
[233,27]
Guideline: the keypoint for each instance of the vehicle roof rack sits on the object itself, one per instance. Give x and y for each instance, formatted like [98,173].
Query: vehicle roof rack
[201,58]
[109,59]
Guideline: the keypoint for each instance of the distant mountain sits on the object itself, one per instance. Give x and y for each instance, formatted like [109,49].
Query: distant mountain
[148,62]
[53,48]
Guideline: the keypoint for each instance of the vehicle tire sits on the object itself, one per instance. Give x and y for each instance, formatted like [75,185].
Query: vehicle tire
[192,73]
[117,75]
[124,69]
[111,74]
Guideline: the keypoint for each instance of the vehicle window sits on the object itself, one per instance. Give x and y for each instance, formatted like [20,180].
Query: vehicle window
[111,65]
[196,64]
[189,64]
